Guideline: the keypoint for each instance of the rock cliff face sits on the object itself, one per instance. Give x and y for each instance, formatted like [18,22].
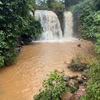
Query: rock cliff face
[61,20]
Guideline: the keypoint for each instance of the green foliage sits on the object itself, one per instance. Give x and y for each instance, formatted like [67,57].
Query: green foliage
[93,88]
[16,23]
[97,44]
[96,4]
[90,25]
[8,51]
[69,3]
[78,64]
[90,22]
[79,6]
[53,87]
[42,4]
[49,2]
[57,5]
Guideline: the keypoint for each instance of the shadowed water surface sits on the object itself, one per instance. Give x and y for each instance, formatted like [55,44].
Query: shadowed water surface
[22,80]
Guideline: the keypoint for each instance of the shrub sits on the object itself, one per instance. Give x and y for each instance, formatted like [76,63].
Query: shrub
[57,5]
[97,44]
[16,24]
[93,88]
[89,19]
[53,87]
[78,64]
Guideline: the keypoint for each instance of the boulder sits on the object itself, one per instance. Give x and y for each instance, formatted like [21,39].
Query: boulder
[79,93]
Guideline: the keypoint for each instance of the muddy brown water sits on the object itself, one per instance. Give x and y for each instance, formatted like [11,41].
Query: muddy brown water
[22,80]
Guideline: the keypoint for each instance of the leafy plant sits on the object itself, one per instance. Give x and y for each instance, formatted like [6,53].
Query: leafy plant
[97,44]
[93,88]
[78,64]
[90,22]
[57,5]
[16,24]
[53,87]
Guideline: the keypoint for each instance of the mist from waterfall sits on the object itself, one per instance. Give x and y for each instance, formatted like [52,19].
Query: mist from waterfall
[51,25]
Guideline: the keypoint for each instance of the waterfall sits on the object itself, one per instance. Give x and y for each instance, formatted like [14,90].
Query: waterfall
[68,24]
[50,24]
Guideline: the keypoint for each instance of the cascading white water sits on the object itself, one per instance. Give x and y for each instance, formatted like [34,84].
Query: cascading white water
[50,24]
[68,24]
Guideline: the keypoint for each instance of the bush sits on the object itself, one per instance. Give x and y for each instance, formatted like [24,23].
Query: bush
[97,44]
[93,88]
[90,22]
[78,64]
[53,87]
[58,5]
[16,24]
[8,51]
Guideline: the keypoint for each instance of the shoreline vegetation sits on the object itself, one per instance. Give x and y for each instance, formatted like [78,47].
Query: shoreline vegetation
[74,87]
[89,19]
[17,25]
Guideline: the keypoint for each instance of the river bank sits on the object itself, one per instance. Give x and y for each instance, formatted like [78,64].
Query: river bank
[22,80]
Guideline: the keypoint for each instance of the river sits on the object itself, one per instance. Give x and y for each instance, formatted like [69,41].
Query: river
[22,80]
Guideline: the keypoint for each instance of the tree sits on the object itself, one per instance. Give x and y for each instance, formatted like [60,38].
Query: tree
[41,4]
[16,23]
[69,3]
[57,5]
[97,4]
[49,2]
[90,22]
